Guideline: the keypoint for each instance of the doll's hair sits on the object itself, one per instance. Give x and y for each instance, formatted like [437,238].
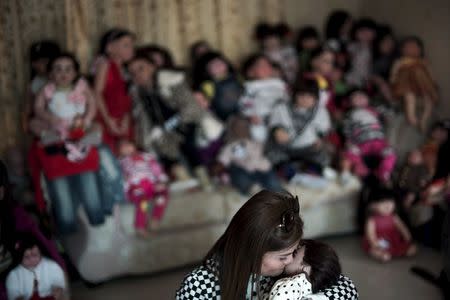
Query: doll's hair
[250,61]
[307,32]
[200,69]
[193,50]
[66,55]
[318,52]
[233,123]
[43,49]
[112,35]
[306,86]
[363,23]
[415,39]
[164,52]
[324,262]
[335,21]
[24,242]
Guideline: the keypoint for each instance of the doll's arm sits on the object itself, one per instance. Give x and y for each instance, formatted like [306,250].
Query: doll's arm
[371,233]
[402,228]
[91,107]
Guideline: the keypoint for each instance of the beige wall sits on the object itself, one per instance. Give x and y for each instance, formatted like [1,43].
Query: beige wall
[430,20]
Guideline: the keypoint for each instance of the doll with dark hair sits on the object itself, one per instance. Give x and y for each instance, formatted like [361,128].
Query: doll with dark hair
[337,35]
[36,277]
[360,50]
[308,39]
[315,267]
[413,83]
[385,234]
[272,40]
[216,79]
[244,159]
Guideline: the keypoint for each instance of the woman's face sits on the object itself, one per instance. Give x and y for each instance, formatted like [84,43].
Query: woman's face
[31,258]
[63,72]
[141,72]
[298,265]
[274,262]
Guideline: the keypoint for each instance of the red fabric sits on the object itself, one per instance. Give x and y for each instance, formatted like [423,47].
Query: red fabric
[76,134]
[117,102]
[54,166]
[385,229]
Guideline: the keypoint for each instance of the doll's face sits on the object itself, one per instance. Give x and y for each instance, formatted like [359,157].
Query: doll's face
[271,43]
[126,148]
[310,43]
[365,35]
[323,64]
[359,99]
[384,207]
[122,48]
[262,69]
[63,72]
[305,100]
[141,72]
[31,258]
[281,136]
[217,68]
[411,49]
[387,45]
[415,157]
[40,66]
[298,265]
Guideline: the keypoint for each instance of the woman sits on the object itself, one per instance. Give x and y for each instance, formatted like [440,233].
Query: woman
[259,243]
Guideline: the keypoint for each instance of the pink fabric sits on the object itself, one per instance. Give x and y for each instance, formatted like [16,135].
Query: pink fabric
[378,147]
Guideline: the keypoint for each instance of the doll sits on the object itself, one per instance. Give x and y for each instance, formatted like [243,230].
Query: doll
[438,136]
[315,268]
[244,159]
[145,184]
[36,276]
[198,49]
[216,79]
[385,234]
[308,39]
[365,138]
[360,50]
[272,39]
[263,90]
[113,101]
[413,83]
[337,35]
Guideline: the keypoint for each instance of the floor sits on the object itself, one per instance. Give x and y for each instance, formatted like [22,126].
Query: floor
[373,280]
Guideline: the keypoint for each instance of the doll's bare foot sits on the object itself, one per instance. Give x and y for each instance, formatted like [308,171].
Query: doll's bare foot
[412,250]
[142,233]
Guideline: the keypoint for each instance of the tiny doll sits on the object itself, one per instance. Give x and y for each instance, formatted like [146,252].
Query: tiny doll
[315,268]
[308,39]
[145,185]
[385,234]
[412,82]
[36,277]
[365,138]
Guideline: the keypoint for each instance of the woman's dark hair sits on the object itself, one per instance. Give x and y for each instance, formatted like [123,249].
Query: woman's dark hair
[268,221]
[363,23]
[164,52]
[324,262]
[415,39]
[307,32]
[112,35]
[43,49]
[335,21]
[7,234]
[200,68]
[66,55]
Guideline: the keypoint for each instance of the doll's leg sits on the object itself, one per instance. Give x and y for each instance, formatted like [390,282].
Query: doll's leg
[380,254]
[409,102]
[354,158]
[159,207]
[426,114]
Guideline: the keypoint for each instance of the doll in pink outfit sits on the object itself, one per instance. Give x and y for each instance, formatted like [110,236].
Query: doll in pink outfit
[145,185]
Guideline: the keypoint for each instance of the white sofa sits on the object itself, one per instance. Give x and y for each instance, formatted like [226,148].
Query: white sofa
[192,223]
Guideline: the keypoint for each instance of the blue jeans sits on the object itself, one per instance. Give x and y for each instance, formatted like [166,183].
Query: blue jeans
[110,180]
[243,180]
[67,193]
